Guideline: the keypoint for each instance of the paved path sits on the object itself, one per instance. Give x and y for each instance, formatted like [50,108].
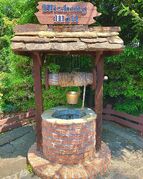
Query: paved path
[125,144]
[127,152]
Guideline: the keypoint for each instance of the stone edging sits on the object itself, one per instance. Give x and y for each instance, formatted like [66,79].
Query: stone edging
[47,116]
[88,169]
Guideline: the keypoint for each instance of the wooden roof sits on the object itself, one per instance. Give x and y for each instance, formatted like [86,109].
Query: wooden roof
[43,38]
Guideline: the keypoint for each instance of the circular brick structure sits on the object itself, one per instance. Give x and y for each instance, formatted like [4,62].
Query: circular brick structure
[69,141]
[69,146]
[86,170]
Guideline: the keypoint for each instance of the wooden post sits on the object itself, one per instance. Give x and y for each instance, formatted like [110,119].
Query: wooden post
[99,64]
[37,63]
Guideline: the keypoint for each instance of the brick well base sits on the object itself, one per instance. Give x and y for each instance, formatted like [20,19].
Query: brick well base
[87,170]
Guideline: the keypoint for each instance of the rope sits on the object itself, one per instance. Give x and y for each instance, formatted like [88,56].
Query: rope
[83,98]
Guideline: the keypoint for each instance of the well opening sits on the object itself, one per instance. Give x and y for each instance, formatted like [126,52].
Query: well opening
[69,114]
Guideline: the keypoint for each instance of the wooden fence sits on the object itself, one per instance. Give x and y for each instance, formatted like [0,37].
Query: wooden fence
[18,120]
[135,122]
[108,114]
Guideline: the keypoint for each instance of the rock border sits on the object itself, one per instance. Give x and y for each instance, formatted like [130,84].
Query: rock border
[86,170]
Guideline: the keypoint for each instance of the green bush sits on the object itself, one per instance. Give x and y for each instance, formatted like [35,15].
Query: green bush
[16,90]
[17,85]
[124,87]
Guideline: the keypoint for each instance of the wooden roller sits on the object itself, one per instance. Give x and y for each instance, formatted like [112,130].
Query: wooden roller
[69,79]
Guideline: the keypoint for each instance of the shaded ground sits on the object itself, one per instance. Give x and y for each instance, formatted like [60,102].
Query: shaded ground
[125,144]
[127,152]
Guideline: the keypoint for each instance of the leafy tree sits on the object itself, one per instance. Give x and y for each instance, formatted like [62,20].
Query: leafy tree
[134,10]
[15,76]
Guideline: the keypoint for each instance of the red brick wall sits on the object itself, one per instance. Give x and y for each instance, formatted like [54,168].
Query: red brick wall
[68,144]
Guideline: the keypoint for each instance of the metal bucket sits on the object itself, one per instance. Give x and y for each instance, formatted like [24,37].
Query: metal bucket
[72,97]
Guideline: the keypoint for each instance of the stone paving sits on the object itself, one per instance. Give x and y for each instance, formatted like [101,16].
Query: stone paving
[126,146]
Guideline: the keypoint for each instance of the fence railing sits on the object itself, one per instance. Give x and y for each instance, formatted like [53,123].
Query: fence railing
[135,122]
[18,120]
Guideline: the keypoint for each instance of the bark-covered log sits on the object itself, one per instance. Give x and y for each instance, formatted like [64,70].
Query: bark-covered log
[70,79]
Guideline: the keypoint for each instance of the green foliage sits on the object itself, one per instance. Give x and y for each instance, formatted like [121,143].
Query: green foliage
[16,82]
[134,11]
[53,68]
[17,85]
[124,87]
[56,96]
[69,63]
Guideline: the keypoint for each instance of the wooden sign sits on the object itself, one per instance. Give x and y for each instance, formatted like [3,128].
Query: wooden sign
[66,13]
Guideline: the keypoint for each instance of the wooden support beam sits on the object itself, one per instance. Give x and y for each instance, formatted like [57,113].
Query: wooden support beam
[37,63]
[99,64]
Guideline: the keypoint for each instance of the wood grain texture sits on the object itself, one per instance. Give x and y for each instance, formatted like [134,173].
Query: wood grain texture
[16,123]
[93,40]
[99,64]
[36,39]
[70,79]
[52,41]
[86,34]
[61,28]
[110,111]
[124,122]
[30,27]
[49,17]
[37,62]
[135,122]
[53,28]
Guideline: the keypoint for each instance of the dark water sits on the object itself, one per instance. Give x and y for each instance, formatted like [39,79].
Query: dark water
[69,114]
